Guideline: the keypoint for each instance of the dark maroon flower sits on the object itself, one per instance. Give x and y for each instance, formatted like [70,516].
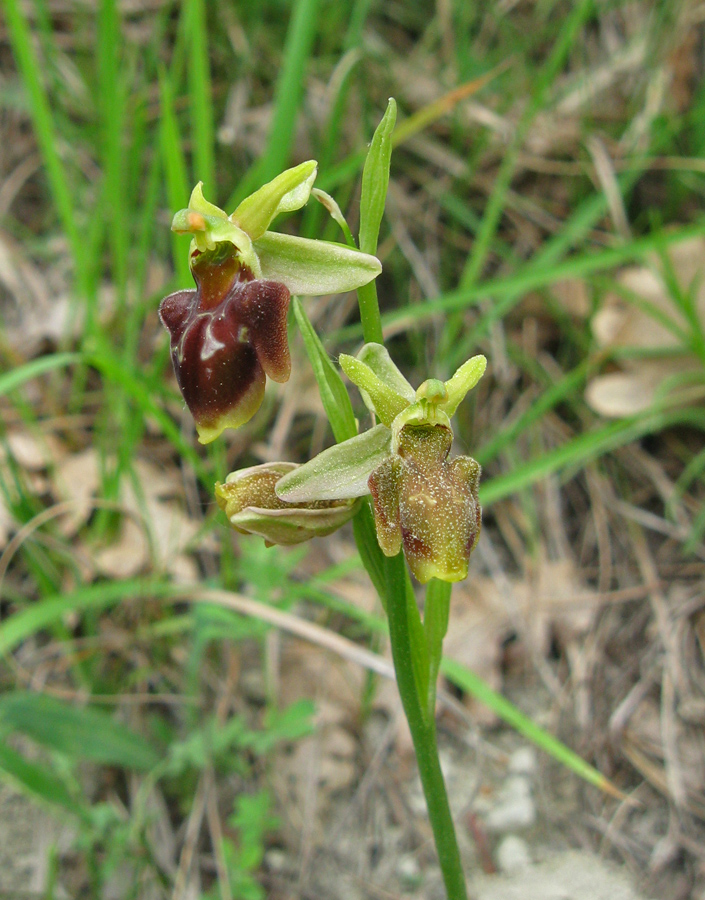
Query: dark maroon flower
[225,337]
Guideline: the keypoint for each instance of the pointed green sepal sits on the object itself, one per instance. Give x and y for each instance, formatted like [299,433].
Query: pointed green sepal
[311,268]
[285,193]
[379,398]
[340,472]
[377,357]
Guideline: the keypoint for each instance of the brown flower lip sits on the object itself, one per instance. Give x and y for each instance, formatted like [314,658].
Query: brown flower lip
[226,336]
[428,505]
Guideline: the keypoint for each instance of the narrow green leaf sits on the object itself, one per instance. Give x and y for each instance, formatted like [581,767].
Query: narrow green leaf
[17,377]
[177,180]
[333,393]
[201,105]
[474,685]
[287,99]
[47,612]
[507,291]
[36,780]
[79,732]
[586,447]
[42,119]
[375,179]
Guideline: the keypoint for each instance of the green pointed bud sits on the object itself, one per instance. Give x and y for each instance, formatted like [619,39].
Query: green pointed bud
[379,397]
[285,193]
[427,505]
[463,381]
[249,500]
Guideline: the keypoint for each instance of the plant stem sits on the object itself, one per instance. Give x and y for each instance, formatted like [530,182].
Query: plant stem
[369,314]
[423,731]
[435,622]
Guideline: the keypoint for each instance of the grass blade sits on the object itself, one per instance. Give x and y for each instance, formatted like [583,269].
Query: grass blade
[80,733]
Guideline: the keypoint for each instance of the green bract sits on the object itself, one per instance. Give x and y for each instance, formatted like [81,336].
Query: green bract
[304,266]
[423,502]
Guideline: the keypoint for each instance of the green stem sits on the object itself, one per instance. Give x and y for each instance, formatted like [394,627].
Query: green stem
[369,314]
[435,622]
[423,732]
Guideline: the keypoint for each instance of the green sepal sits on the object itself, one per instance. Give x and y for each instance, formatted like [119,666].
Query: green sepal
[310,268]
[285,193]
[340,472]
[379,397]
[377,357]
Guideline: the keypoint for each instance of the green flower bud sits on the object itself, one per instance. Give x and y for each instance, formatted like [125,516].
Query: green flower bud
[249,500]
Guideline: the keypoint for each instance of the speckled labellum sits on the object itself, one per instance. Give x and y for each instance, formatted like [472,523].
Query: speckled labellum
[226,336]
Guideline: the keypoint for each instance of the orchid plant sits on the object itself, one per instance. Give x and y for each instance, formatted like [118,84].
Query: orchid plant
[407,498]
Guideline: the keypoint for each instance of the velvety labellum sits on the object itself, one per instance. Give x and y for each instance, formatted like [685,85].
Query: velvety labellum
[427,504]
[225,337]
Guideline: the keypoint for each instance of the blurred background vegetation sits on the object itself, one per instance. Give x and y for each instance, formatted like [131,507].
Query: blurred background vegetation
[545,208]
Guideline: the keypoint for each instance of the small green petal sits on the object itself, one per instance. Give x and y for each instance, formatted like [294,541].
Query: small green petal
[378,396]
[463,381]
[340,472]
[311,268]
[285,193]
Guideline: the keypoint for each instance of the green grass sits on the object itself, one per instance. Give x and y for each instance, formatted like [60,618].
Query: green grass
[125,110]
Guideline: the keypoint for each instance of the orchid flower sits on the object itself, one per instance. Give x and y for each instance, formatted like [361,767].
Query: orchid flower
[229,333]
[423,502]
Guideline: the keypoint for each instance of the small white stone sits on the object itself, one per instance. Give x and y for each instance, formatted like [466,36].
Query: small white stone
[513,854]
[409,871]
[523,761]
[514,808]
[275,860]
